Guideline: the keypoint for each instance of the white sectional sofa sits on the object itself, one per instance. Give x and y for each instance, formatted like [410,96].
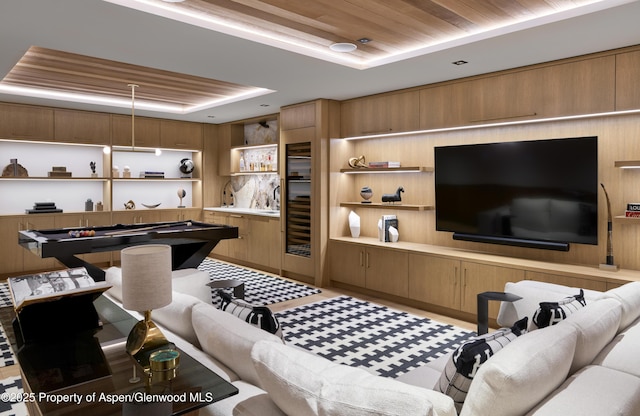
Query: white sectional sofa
[587,364]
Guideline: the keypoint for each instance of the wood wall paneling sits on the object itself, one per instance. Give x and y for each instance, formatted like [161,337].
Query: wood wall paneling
[26,122]
[627,76]
[82,127]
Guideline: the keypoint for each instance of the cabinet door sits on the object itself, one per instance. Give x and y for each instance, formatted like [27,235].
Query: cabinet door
[347,263]
[24,122]
[478,278]
[627,85]
[434,280]
[274,240]
[567,281]
[446,105]
[390,113]
[238,247]
[404,111]
[147,131]
[81,127]
[211,217]
[387,271]
[258,240]
[12,252]
[180,135]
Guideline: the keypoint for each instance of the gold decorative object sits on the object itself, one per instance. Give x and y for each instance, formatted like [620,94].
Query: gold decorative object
[146,285]
[163,365]
[357,162]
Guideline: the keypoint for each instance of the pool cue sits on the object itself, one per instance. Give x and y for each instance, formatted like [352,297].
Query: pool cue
[153,227]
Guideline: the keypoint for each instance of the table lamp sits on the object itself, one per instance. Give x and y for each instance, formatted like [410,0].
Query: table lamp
[146,285]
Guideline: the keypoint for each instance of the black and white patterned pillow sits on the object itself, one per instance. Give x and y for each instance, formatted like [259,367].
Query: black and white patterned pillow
[259,316]
[460,370]
[551,313]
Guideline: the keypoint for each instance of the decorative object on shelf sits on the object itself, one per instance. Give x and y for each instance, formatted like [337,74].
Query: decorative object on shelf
[393,234]
[88,205]
[187,166]
[148,174]
[164,365]
[366,193]
[354,224]
[126,172]
[384,223]
[181,194]
[43,208]
[633,210]
[385,165]
[92,165]
[393,198]
[115,172]
[14,169]
[130,205]
[99,206]
[146,285]
[151,205]
[357,162]
[59,172]
[609,265]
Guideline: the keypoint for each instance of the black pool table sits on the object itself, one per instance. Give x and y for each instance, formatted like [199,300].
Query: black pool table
[190,241]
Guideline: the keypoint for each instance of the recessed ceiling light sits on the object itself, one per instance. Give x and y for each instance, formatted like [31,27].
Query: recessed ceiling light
[460,62]
[364,40]
[343,47]
[265,105]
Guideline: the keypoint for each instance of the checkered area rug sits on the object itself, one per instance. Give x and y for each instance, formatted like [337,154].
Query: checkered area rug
[12,386]
[259,288]
[357,333]
[6,352]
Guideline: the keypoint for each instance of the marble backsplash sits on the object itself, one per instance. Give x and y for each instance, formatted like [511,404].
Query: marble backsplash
[254,191]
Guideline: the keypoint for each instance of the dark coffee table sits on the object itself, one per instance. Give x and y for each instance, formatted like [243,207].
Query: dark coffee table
[94,372]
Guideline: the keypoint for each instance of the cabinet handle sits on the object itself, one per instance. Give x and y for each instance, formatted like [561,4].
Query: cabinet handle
[368,260]
[455,275]
[86,222]
[361,258]
[235,216]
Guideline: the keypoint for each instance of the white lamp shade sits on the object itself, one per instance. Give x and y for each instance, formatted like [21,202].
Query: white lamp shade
[146,277]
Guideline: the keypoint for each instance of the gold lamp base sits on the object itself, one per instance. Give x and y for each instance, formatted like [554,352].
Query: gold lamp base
[144,339]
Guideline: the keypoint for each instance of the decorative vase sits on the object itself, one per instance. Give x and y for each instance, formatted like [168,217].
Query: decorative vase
[366,193]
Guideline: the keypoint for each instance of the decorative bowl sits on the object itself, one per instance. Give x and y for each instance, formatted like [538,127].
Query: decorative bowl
[152,205]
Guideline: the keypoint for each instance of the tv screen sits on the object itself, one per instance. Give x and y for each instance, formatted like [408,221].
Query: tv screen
[519,192]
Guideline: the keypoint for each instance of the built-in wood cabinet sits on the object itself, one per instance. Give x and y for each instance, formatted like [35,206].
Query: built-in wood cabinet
[627,85]
[478,277]
[435,280]
[15,259]
[373,268]
[180,135]
[388,113]
[570,281]
[147,131]
[26,122]
[81,127]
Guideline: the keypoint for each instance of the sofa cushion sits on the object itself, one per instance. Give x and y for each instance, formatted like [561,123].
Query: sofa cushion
[593,390]
[192,282]
[629,296]
[177,316]
[468,357]
[597,324]
[524,373]
[229,339]
[551,313]
[258,316]
[113,276]
[622,352]
[250,401]
[532,293]
[304,384]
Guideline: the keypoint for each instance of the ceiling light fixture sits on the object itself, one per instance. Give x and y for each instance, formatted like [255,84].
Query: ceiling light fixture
[460,62]
[364,40]
[343,47]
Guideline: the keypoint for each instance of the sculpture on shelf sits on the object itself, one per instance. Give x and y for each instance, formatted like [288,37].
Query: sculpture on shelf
[609,265]
[366,193]
[392,198]
[186,167]
[130,205]
[181,194]
[357,162]
[14,169]
[92,165]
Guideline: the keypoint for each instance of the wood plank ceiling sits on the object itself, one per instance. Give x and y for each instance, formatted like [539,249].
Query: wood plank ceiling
[392,26]
[52,70]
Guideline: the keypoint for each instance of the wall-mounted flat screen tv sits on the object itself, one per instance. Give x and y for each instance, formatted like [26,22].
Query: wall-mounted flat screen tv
[541,193]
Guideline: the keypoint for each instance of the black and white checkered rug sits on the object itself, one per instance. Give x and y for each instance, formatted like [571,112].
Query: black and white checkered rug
[6,352]
[357,333]
[259,288]
[10,388]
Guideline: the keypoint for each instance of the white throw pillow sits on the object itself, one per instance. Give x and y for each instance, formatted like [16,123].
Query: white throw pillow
[629,296]
[229,339]
[524,373]
[304,384]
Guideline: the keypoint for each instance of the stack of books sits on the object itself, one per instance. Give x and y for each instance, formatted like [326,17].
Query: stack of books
[633,210]
[384,164]
[151,174]
[59,172]
[43,207]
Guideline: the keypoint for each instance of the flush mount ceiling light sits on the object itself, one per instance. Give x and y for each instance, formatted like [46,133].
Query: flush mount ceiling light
[343,47]
[460,62]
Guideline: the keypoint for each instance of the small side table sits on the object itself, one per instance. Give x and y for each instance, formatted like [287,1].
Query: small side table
[483,307]
[237,285]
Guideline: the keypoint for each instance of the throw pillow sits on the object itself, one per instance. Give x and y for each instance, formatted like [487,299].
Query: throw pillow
[259,316]
[467,359]
[551,313]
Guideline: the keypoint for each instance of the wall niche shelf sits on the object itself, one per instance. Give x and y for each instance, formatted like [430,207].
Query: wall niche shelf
[381,205]
[627,164]
[407,169]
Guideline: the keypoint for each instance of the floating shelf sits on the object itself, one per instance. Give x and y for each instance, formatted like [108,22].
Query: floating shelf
[253,146]
[407,169]
[50,178]
[627,164]
[626,220]
[380,205]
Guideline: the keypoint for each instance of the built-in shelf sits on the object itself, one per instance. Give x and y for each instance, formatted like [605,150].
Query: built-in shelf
[253,146]
[626,220]
[157,179]
[407,169]
[48,178]
[254,172]
[627,164]
[382,205]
